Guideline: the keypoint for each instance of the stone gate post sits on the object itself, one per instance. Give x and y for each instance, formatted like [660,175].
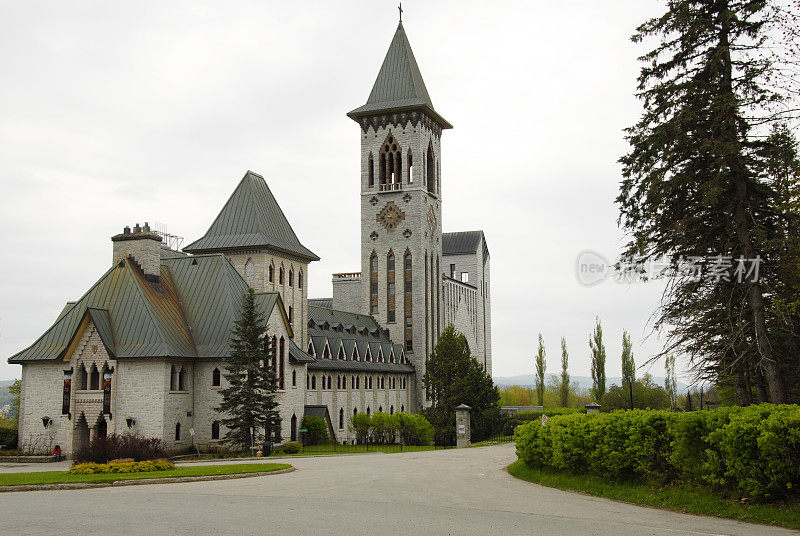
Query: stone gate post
[462,426]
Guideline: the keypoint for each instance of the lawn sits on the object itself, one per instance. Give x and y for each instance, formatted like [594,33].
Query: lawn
[59,477]
[683,498]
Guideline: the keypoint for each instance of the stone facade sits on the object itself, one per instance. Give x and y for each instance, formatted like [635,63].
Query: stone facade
[347,292]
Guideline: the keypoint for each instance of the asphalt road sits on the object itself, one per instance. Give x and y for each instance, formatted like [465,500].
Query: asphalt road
[458,492]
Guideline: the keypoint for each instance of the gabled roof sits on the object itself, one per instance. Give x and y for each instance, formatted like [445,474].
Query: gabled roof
[251,218]
[189,314]
[399,86]
[464,243]
[296,355]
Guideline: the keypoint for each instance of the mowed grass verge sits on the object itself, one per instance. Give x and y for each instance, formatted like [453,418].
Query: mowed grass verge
[684,498]
[63,477]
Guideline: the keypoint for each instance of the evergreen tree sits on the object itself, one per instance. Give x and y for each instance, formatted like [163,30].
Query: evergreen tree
[453,377]
[598,361]
[563,386]
[248,404]
[628,364]
[694,185]
[541,366]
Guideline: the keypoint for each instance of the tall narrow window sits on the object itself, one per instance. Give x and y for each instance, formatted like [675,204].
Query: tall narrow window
[173,378]
[291,315]
[371,171]
[300,279]
[373,283]
[408,300]
[280,275]
[215,378]
[94,379]
[107,390]
[271,273]
[282,359]
[291,277]
[410,160]
[66,393]
[274,355]
[182,379]
[391,164]
[215,430]
[341,418]
[177,431]
[430,171]
[390,288]
[83,378]
[294,378]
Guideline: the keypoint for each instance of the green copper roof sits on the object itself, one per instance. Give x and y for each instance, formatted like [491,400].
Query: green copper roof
[251,219]
[399,86]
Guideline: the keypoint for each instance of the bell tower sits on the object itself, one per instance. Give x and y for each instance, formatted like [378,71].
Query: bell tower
[401,207]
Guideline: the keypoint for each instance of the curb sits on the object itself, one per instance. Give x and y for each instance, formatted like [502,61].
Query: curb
[138,482]
[287,457]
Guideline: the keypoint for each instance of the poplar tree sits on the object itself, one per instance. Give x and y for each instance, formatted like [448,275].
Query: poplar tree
[541,366]
[563,388]
[628,364]
[694,182]
[670,382]
[248,402]
[598,361]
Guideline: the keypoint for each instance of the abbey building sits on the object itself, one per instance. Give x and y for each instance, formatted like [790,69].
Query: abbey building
[143,350]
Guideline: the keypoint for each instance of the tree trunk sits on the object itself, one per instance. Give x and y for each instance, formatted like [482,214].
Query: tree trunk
[743,392]
[741,217]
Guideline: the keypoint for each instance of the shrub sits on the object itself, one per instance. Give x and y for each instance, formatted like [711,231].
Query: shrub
[752,451]
[146,466]
[113,447]
[413,428]
[317,429]
[292,447]
[361,425]
[8,438]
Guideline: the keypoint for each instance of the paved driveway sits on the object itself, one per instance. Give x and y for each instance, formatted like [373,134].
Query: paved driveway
[458,492]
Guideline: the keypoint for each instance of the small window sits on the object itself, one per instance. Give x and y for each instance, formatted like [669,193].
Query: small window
[182,379]
[341,418]
[177,431]
[280,276]
[215,378]
[294,378]
[215,430]
[291,278]
[300,279]
[271,273]
[465,277]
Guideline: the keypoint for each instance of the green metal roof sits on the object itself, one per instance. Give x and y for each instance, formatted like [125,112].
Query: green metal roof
[251,218]
[399,86]
[190,313]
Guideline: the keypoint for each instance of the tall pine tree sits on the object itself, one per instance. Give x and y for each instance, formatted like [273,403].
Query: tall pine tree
[541,367]
[694,183]
[248,404]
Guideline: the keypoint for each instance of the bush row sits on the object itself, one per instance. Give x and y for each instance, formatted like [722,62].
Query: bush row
[8,438]
[121,467]
[512,421]
[114,447]
[410,428]
[752,451]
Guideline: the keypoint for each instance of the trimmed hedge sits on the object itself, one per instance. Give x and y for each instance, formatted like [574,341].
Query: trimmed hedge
[752,451]
[512,421]
[121,467]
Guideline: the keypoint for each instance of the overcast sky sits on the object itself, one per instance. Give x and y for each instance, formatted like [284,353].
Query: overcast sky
[113,114]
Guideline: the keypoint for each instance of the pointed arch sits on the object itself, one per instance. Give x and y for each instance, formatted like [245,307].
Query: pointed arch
[410,164]
[293,430]
[408,300]
[391,163]
[300,279]
[271,272]
[215,377]
[281,275]
[341,418]
[311,351]
[390,287]
[430,168]
[370,171]
[94,378]
[291,276]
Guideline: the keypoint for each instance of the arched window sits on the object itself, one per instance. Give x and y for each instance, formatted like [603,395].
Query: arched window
[330,381]
[300,279]
[341,418]
[275,355]
[215,378]
[83,377]
[215,430]
[338,381]
[371,171]
[369,411]
[391,164]
[408,287]
[310,348]
[308,381]
[291,277]
[410,161]
[390,288]
[355,412]
[182,379]
[291,314]
[313,381]
[249,271]
[281,357]
[341,353]
[358,382]
[294,378]
[430,171]
[94,378]
[271,273]
[373,283]
[293,432]
[391,410]
[380,409]
[280,276]
[177,431]
[402,408]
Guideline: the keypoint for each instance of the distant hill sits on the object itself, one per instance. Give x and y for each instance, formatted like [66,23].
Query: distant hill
[5,397]
[584,382]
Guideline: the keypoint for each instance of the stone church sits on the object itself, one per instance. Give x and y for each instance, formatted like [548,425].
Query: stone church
[143,350]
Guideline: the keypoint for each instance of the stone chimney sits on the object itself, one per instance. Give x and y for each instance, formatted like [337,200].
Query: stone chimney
[142,246]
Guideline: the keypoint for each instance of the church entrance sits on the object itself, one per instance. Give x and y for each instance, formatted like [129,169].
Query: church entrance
[80,436]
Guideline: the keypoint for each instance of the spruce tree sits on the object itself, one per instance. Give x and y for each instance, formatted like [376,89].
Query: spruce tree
[628,364]
[541,366]
[454,377]
[563,387]
[598,361]
[248,404]
[694,184]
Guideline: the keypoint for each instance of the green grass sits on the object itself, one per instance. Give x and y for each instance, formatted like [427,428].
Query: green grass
[63,477]
[331,448]
[685,498]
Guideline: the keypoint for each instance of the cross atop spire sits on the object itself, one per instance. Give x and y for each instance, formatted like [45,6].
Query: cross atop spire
[400,8]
